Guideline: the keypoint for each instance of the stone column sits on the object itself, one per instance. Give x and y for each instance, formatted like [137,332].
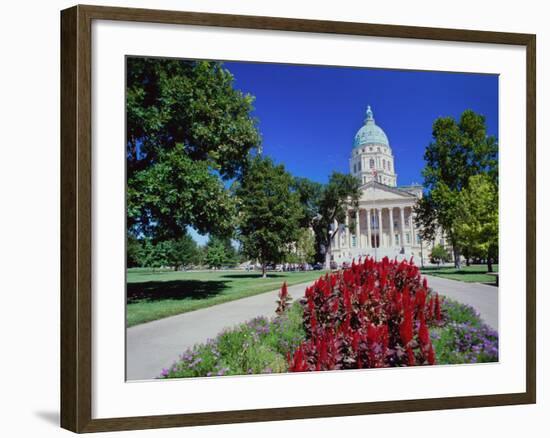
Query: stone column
[412,226]
[392,243]
[369,241]
[380,226]
[402,225]
[348,231]
[336,239]
[357,230]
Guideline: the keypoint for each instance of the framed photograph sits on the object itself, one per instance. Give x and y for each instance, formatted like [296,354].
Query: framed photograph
[270,218]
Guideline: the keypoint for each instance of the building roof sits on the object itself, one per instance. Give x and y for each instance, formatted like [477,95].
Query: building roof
[370,133]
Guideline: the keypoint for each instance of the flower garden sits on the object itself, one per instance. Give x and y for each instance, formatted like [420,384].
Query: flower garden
[371,315]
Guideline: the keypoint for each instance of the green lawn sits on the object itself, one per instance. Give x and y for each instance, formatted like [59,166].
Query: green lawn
[469,274]
[156,295]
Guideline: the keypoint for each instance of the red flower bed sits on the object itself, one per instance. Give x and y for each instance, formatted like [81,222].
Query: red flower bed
[371,315]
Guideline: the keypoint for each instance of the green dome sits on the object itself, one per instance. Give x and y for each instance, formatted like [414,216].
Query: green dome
[370,133]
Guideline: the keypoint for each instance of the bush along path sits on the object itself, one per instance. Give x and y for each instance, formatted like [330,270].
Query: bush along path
[372,315]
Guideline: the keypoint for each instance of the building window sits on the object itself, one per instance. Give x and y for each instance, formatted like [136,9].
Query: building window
[371,163]
[407,238]
[359,165]
[418,239]
[396,239]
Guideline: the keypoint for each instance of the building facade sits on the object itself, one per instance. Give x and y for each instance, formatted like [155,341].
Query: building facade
[384,223]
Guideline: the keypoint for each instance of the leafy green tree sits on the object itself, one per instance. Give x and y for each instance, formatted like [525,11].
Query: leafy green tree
[216,255]
[155,255]
[458,151]
[309,193]
[303,249]
[181,252]
[269,211]
[476,227]
[134,252]
[439,254]
[341,192]
[187,127]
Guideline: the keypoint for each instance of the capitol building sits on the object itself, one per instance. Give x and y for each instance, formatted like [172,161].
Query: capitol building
[384,223]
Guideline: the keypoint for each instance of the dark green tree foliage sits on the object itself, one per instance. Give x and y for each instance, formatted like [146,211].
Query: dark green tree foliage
[341,192]
[220,252]
[134,252]
[181,252]
[458,151]
[439,255]
[186,127]
[176,253]
[309,193]
[269,211]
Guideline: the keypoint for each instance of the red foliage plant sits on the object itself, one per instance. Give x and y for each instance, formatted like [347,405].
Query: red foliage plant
[371,315]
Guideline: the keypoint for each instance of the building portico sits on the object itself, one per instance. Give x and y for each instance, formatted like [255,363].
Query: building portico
[383,222]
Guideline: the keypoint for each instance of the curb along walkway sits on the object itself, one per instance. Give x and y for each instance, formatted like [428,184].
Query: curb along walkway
[482,297]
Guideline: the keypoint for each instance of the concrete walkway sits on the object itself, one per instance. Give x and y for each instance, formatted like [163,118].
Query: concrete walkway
[483,297]
[155,345]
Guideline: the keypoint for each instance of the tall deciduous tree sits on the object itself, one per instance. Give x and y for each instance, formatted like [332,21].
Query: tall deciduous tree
[458,151]
[269,211]
[220,252]
[303,249]
[477,222]
[341,193]
[181,252]
[187,127]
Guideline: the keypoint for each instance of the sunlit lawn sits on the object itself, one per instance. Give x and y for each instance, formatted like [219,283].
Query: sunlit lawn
[155,295]
[469,274]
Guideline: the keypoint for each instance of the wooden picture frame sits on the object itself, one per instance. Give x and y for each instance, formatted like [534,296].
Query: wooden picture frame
[76,217]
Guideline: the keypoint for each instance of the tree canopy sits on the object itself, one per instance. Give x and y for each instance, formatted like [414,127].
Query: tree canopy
[188,129]
[340,193]
[477,221]
[269,211]
[220,252]
[459,150]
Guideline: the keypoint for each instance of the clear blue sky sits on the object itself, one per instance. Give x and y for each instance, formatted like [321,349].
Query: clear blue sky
[308,115]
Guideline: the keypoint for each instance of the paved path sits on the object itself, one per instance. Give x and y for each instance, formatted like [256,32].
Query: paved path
[483,297]
[155,345]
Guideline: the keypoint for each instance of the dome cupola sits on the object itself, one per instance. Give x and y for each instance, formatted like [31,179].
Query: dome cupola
[370,133]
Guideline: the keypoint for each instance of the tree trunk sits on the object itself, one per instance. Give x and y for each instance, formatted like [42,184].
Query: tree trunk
[456,256]
[264,273]
[327,258]
[489,264]
[467,261]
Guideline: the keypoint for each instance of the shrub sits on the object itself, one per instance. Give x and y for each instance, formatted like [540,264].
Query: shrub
[374,314]
[464,338]
[257,346]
